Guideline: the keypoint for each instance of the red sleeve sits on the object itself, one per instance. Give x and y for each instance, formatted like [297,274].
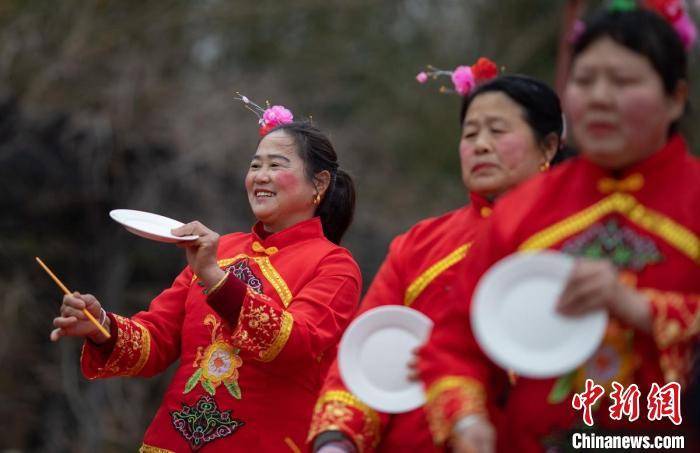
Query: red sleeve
[337,409]
[145,344]
[459,379]
[227,299]
[311,324]
[675,328]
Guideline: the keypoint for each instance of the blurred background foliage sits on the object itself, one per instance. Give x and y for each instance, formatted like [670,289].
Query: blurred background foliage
[129,104]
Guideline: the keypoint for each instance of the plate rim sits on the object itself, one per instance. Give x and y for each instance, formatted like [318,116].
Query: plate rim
[561,263]
[114,215]
[348,369]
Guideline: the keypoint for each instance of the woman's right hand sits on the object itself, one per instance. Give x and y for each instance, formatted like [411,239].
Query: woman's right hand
[73,323]
[478,437]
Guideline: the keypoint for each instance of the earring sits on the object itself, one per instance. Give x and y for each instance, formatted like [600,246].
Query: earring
[544,166]
[317,199]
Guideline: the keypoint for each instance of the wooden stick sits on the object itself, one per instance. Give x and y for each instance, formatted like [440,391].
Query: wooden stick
[66,291]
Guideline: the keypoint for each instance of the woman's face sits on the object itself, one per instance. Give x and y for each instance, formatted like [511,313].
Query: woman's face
[279,192]
[616,103]
[498,148]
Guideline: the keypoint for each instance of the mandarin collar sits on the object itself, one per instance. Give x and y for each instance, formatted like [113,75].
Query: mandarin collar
[481,204]
[673,150]
[302,231]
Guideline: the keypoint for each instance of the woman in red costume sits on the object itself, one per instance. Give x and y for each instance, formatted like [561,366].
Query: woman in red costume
[627,208]
[511,128]
[253,319]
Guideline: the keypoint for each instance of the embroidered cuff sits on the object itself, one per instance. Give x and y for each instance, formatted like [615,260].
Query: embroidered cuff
[262,329]
[675,323]
[338,410]
[227,299]
[126,357]
[450,399]
[675,317]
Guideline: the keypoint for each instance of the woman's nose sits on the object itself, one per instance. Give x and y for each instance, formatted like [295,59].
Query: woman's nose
[262,175]
[482,145]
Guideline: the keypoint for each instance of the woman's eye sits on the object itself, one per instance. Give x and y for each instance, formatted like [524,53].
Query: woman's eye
[470,135]
[624,81]
[254,166]
[583,81]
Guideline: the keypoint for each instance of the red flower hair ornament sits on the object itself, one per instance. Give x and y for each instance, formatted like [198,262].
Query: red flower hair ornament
[464,78]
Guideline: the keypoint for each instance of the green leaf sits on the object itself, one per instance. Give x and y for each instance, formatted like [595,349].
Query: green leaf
[234,389]
[623,5]
[208,387]
[192,381]
[561,389]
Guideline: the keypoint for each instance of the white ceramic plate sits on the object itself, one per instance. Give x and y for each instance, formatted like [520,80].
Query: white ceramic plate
[514,319]
[374,353]
[150,226]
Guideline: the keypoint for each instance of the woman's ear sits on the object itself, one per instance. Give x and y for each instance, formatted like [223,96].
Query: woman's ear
[322,180]
[678,100]
[550,146]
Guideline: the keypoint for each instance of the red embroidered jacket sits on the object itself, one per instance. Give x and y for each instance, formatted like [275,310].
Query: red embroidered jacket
[647,222]
[248,383]
[417,272]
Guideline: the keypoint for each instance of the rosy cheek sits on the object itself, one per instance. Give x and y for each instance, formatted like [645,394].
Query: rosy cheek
[573,105]
[249,181]
[287,180]
[638,109]
[466,153]
[512,149]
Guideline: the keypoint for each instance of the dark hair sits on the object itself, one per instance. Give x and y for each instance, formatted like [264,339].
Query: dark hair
[539,102]
[646,33]
[337,207]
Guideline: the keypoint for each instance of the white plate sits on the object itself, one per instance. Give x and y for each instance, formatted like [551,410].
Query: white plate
[514,319]
[374,353]
[149,226]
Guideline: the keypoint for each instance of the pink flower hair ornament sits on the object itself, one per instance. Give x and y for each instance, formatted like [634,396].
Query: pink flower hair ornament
[268,118]
[674,11]
[464,78]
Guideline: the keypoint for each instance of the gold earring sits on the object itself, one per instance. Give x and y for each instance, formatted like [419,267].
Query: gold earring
[544,166]
[317,199]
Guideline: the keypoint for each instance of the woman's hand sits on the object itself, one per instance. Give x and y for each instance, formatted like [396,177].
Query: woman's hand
[413,374]
[201,253]
[74,323]
[477,435]
[595,284]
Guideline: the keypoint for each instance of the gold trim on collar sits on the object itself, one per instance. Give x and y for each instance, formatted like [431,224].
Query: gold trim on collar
[423,280]
[275,279]
[258,247]
[632,183]
[666,228]
[150,449]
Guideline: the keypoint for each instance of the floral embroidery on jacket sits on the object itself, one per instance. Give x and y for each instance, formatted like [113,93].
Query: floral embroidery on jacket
[624,247]
[241,269]
[216,364]
[204,422]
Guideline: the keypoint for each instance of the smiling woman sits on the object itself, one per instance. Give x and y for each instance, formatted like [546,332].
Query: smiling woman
[253,319]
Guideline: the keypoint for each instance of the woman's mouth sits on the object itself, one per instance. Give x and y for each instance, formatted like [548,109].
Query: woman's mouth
[260,193]
[600,127]
[478,167]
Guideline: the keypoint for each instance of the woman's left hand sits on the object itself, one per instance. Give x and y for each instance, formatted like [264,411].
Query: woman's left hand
[413,373]
[595,284]
[201,253]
